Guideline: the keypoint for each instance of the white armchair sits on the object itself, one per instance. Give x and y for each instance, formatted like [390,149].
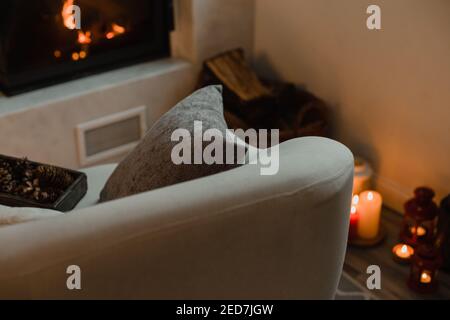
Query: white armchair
[234,235]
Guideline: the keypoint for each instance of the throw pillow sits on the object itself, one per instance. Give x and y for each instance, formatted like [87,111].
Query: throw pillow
[149,166]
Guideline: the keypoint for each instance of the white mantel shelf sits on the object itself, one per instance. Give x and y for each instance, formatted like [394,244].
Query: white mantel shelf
[86,85]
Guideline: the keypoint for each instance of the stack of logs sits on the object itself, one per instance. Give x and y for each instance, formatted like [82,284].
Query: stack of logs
[250,102]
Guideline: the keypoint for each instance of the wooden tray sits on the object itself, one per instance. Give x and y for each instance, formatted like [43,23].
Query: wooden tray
[66,202]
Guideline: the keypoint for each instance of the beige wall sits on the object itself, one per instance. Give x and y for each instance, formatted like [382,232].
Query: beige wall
[390,89]
[208,27]
[223,25]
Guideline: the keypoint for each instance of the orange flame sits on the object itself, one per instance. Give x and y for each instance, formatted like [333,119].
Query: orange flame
[84,37]
[116,30]
[425,277]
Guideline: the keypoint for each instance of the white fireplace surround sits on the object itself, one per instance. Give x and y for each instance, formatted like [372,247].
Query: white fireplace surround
[42,124]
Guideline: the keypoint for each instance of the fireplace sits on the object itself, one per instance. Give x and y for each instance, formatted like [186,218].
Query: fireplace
[40,43]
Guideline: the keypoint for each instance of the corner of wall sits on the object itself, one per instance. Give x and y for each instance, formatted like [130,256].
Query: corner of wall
[205,28]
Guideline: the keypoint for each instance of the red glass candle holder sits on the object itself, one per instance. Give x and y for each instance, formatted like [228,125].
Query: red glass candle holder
[424,269]
[419,221]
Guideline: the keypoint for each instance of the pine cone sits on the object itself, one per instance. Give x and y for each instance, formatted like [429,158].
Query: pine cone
[25,189]
[53,177]
[5,165]
[50,195]
[22,168]
[4,172]
[8,187]
[6,180]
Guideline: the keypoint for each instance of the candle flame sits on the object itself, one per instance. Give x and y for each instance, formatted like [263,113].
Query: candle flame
[370,196]
[419,231]
[116,30]
[403,251]
[84,37]
[425,277]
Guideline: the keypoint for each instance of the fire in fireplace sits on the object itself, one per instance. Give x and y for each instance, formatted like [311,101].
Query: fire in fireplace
[40,43]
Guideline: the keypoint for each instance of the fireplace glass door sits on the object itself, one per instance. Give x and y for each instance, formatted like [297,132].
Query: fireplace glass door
[48,41]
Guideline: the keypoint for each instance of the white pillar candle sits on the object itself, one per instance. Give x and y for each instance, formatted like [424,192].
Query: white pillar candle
[369,209]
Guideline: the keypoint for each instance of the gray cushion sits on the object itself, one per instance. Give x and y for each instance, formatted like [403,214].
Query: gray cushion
[149,165]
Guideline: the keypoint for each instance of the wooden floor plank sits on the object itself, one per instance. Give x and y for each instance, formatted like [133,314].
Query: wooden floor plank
[393,275]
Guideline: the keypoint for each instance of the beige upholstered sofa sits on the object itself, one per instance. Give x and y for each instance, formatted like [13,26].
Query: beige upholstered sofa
[233,235]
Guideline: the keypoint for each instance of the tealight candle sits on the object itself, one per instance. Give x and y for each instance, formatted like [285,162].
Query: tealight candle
[424,269]
[425,277]
[419,231]
[369,209]
[419,220]
[403,253]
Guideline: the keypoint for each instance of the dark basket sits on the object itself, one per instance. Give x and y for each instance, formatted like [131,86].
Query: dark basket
[66,202]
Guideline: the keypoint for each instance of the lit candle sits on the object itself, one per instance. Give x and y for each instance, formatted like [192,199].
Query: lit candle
[369,209]
[403,252]
[419,231]
[354,217]
[424,268]
[425,277]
